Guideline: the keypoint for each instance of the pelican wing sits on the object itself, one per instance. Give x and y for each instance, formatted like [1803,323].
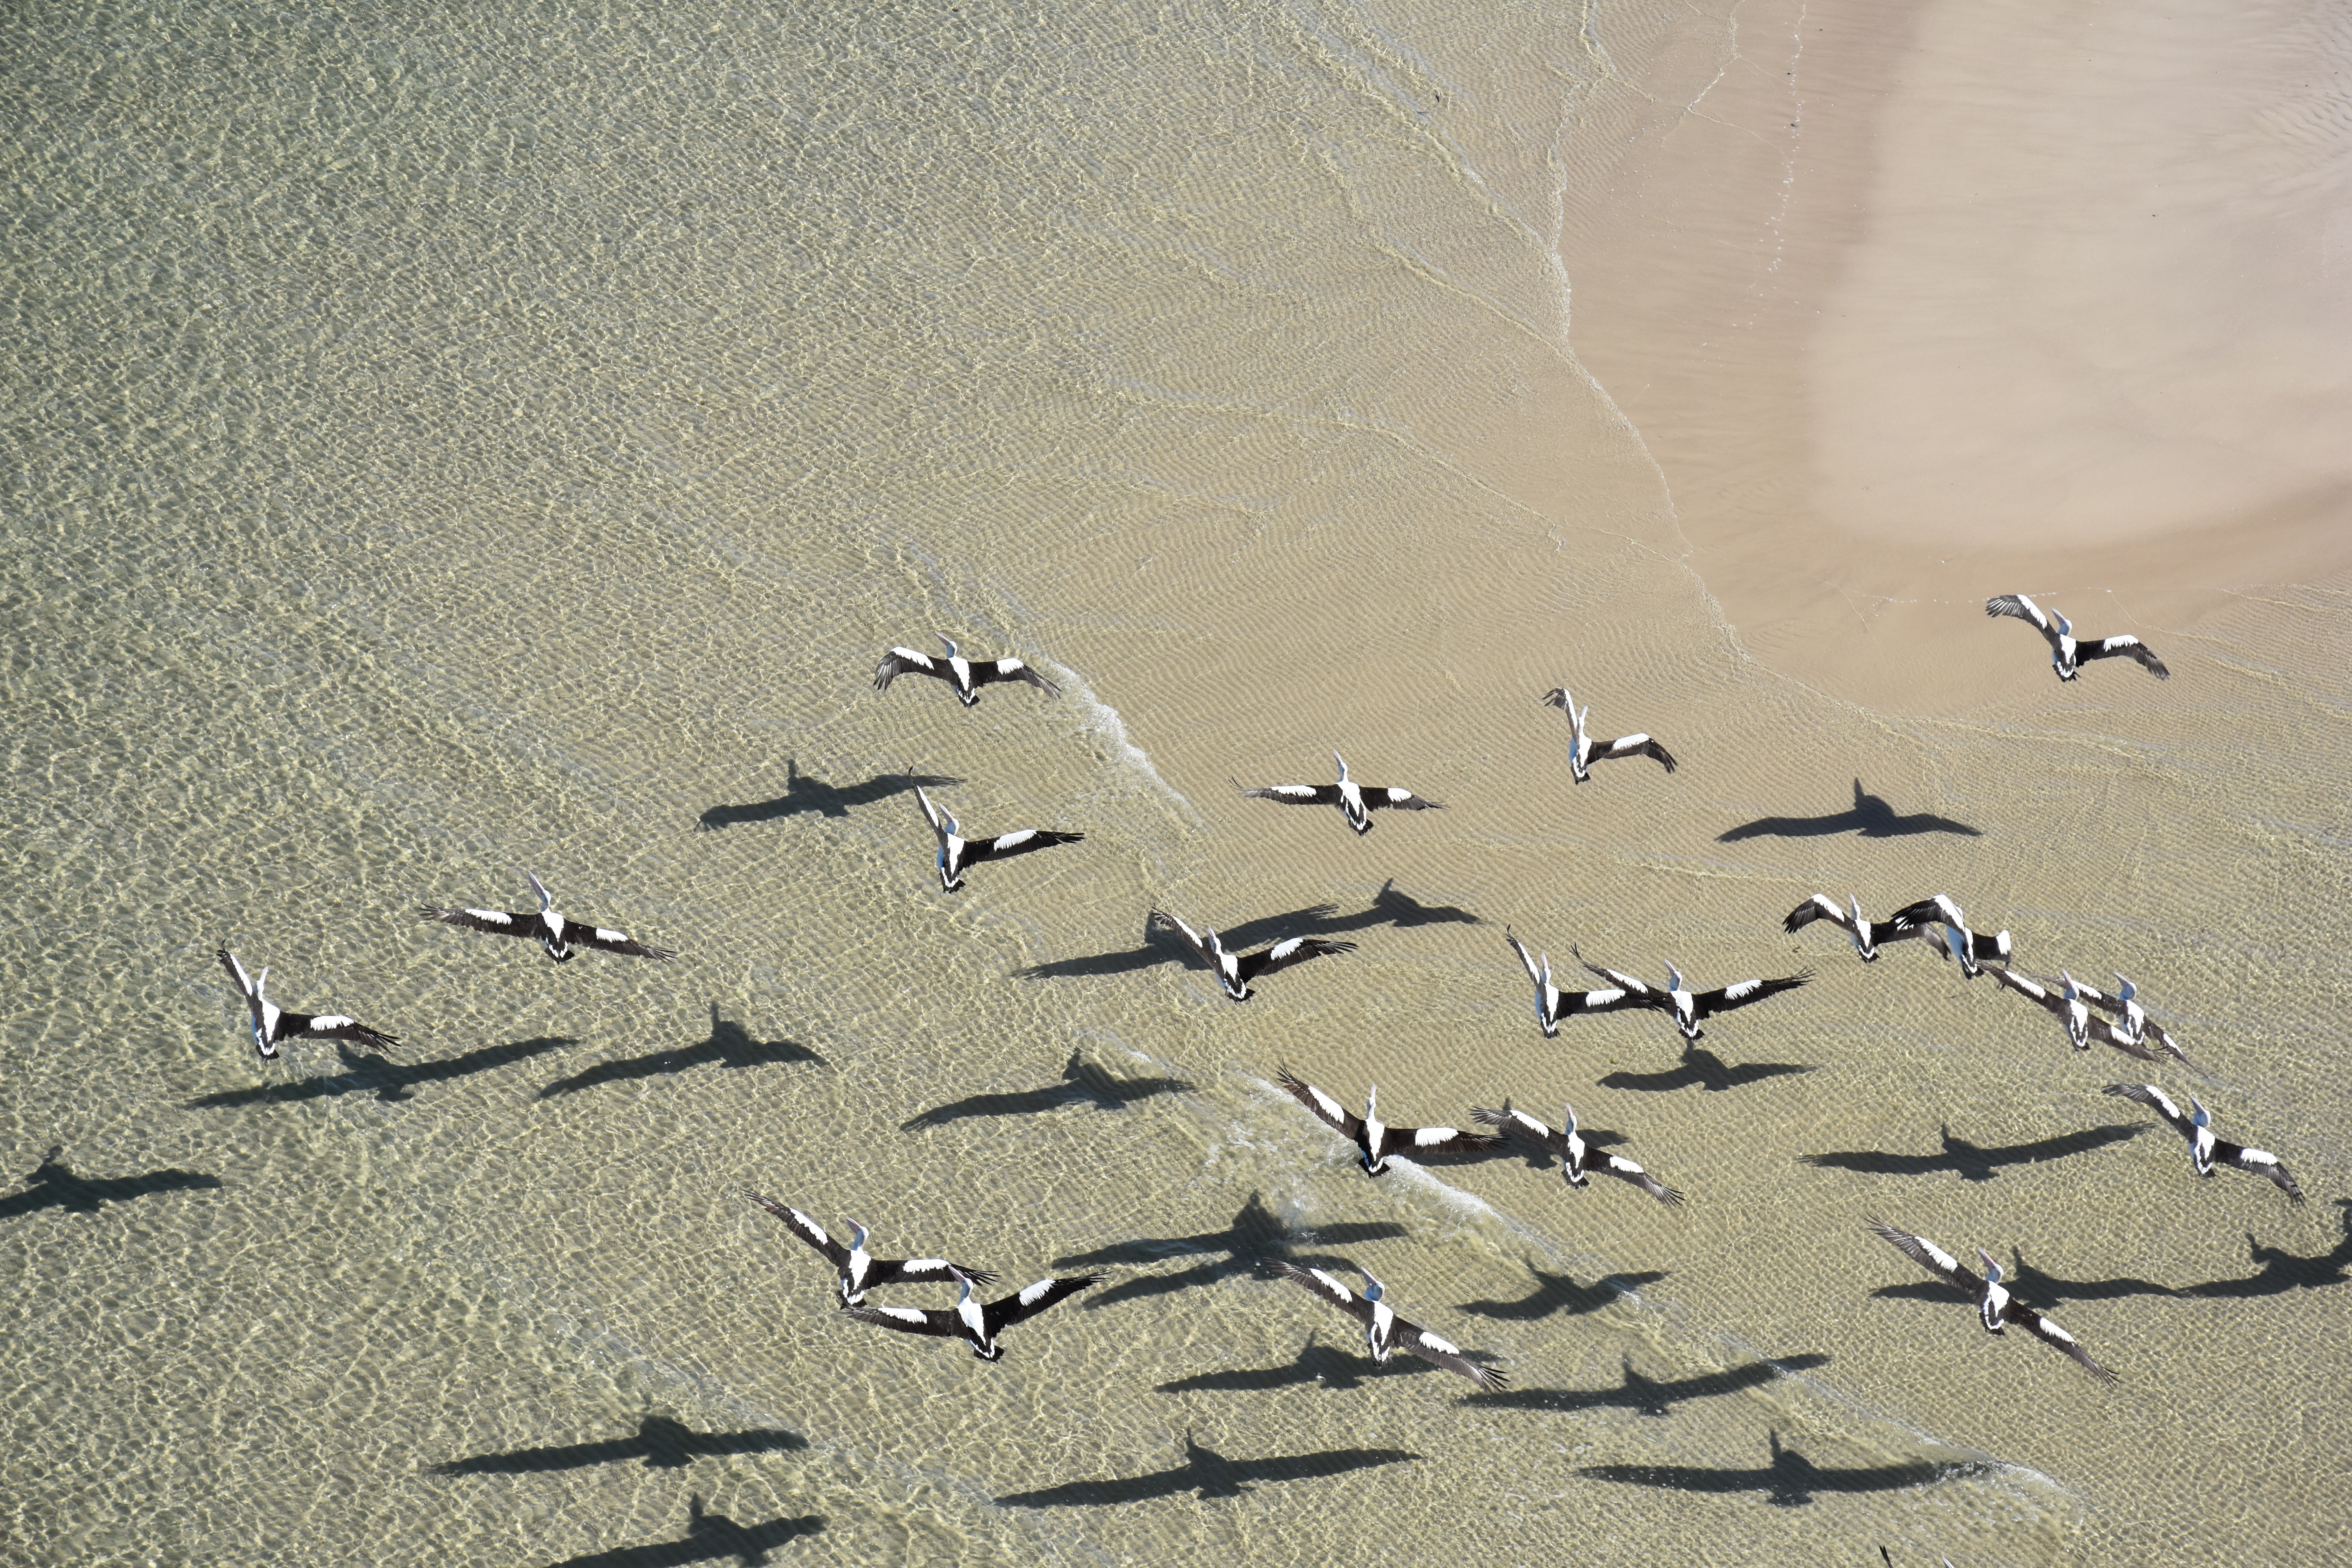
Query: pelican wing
[1424,1142]
[1193,938]
[2261,1162]
[2155,1100]
[1633,746]
[1526,1126]
[1626,1171]
[335,1026]
[807,1229]
[1930,912]
[1929,1257]
[1393,799]
[1626,982]
[2124,646]
[1283,955]
[901,661]
[244,984]
[2019,607]
[617,942]
[1525,958]
[1019,843]
[2108,1034]
[1298,794]
[1337,1117]
[1329,1289]
[1819,907]
[1001,1315]
[984,670]
[939,1321]
[498,922]
[1411,1336]
[2050,1333]
[907,1270]
[1739,995]
[2032,990]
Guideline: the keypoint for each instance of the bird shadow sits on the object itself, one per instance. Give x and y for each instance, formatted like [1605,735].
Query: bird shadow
[729,1044]
[805,796]
[1389,908]
[1559,1293]
[1337,1370]
[54,1186]
[1789,1480]
[1256,1234]
[708,1536]
[2047,1293]
[662,1443]
[390,1081]
[1083,1083]
[1974,1161]
[1647,1394]
[2277,1272]
[1870,816]
[1703,1068]
[1207,1474]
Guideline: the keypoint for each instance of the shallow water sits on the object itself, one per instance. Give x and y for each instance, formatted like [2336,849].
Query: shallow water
[441,448]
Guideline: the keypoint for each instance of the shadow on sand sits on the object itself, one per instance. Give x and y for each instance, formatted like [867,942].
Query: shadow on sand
[1207,1475]
[1870,816]
[1791,1481]
[1973,1161]
[388,1080]
[1647,1394]
[805,796]
[1256,1234]
[708,1536]
[1559,1293]
[1703,1068]
[663,1443]
[1389,908]
[1083,1083]
[53,1185]
[730,1045]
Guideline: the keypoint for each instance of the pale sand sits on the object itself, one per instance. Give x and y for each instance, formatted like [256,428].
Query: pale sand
[1916,308]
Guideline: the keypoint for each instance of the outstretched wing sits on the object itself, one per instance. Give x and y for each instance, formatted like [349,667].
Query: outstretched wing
[335,1026]
[1622,980]
[2031,991]
[1329,1289]
[1929,1257]
[1615,999]
[2155,1100]
[1298,794]
[1337,1117]
[807,1229]
[1001,1315]
[1021,842]
[1633,746]
[1723,999]
[901,661]
[244,984]
[905,1270]
[1626,1171]
[1398,800]
[2124,646]
[1411,1336]
[984,670]
[1191,938]
[1283,955]
[2260,1162]
[2017,606]
[2106,1033]
[939,1321]
[1426,1143]
[498,922]
[613,942]
[1819,907]
[2050,1333]
[1526,1126]
[1930,912]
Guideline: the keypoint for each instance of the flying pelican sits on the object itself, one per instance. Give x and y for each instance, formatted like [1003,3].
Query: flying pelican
[2067,653]
[1689,1006]
[1385,1333]
[1971,949]
[1356,802]
[1995,1306]
[968,1320]
[1582,753]
[1575,1156]
[958,854]
[2205,1150]
[2070,1003]
[1552,1003]
[2131,1019]
[963,674]
[1376,1139]
[860,1270]
[272,1023]
[554,933]
[1236,971]
[1867,934]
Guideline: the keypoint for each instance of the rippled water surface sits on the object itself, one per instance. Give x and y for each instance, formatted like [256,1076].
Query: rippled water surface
[441,446]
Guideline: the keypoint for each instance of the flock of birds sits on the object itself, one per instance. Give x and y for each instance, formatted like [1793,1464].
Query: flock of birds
[2089,1016]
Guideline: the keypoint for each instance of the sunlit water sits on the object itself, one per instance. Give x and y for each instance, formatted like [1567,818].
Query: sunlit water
[438,449]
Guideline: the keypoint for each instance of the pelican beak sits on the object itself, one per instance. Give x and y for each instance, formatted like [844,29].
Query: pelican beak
[949,640]
[1343,766]
[545,902]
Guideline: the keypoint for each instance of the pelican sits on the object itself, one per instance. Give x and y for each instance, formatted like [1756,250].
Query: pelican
[1356,802]
[2068,1002]
[1236,971]
[858,1269]
[1385,1333]
[1971,949]
[554,933]
[963,674]
[272,1023]
[1377,1140]
[958,854]
[2067,653]
[1995,1306]
[1552,1003]
[976,1325]
[1582,753]
[2205,1150]
[1866,935]
[1689,1006]
[2131,1019]
[1575,1156]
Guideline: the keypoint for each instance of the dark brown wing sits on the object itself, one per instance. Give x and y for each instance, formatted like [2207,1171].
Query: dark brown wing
[617,942]
[498,922]
[1707,1003]
[984,670]
[1337,1117]
[807,1229]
